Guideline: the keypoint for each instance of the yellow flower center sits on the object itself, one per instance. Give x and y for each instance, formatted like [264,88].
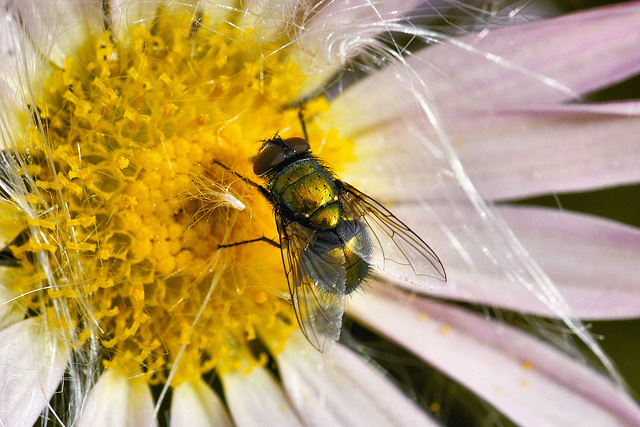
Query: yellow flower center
[127,207]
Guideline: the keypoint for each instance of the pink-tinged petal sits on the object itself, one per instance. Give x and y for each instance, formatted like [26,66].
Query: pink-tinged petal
[594,262]
[397,162]
[254,398]
[507,153]
[558,149]
[31,367]
[529,381]
[544,62]
[590,260]
[581,52]
[118,400]
[341,389]
[195,404]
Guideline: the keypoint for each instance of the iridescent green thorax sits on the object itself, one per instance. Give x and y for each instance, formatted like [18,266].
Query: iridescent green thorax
[306,190]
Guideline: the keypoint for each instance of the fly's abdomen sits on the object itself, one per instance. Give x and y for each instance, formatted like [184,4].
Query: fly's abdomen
[356,270]
[342,250]
[356,247]
[307,190]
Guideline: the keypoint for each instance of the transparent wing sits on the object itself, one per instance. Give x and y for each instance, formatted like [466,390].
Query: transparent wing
[392,249]
[316,282]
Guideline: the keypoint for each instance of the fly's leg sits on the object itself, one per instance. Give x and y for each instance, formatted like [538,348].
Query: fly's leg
[260,188]
[301,118]
[196,23]
[244,242]
[264,192]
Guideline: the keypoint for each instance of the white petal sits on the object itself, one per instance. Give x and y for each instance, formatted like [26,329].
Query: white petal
[590,260]
[127,13]
[268,19]
[11,223]
[218,10]
[118,400]
[255,399]
[31,367]
[11,310]
[195,404]
[335,31]
[57,27]
[341,389]
[527,380]
[18,61]
[341,29]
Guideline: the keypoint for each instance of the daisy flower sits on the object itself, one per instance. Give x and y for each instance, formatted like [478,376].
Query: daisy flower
[129,130]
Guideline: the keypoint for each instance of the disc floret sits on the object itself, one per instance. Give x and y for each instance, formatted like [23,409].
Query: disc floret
[124,208]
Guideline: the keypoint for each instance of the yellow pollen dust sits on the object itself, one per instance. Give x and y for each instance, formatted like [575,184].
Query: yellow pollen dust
[131,208]
[527,365]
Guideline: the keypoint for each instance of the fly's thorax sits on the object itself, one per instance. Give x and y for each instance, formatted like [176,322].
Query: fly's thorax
[307,191]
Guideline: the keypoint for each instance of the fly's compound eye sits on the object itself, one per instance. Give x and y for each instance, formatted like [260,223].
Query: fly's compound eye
[299,145]
[267,159]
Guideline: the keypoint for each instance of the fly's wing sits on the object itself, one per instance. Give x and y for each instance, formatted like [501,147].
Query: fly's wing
[316,282]
[391,248]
